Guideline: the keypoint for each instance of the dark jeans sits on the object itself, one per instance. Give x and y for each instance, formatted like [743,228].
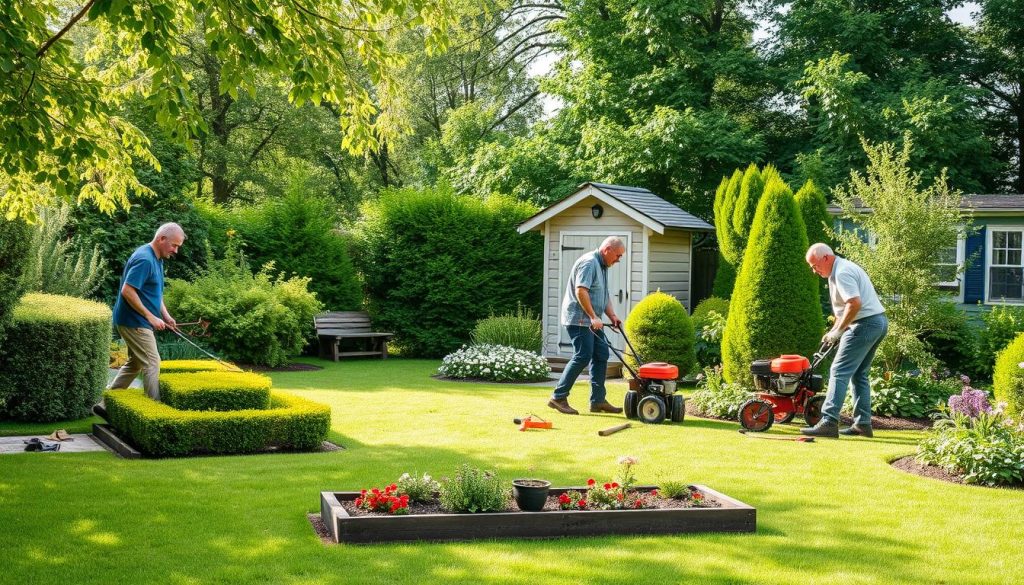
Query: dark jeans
[586,349]
[852,364]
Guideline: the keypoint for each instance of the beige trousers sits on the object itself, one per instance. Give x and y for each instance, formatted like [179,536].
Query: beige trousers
[142,357]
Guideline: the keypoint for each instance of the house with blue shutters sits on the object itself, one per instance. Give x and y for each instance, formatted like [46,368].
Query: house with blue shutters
[994,253]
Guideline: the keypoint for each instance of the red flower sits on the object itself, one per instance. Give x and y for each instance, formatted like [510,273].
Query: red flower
[563,499]
[591,482]
[607,486]
[618,496]
[638,504]
[698,496]
[615,485]
[582,504]
[359,501]
[654,492]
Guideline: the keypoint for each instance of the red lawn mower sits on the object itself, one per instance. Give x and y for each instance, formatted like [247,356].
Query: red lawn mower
[787,386]
[652,391]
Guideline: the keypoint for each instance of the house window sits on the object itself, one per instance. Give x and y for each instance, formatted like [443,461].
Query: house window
[1006,264]
[949,266]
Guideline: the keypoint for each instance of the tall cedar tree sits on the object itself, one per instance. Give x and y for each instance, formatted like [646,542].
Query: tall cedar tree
[725,274]
[728,240]
[814,211]
[751,189]
[774,308]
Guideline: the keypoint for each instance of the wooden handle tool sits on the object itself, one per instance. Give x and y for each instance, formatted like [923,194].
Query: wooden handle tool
[615,429]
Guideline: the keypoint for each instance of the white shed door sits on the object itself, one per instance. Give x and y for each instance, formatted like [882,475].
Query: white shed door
[574,246]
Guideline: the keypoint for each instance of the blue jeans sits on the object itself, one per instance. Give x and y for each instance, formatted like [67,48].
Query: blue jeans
[857,348]
[586,349]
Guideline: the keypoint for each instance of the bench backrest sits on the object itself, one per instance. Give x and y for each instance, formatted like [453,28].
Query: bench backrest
[349,321]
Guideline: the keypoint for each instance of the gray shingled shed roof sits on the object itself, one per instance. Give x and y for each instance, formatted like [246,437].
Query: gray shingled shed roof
[653,207]
[644,206]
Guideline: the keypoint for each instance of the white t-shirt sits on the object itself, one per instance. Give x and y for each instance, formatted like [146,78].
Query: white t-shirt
[848,281]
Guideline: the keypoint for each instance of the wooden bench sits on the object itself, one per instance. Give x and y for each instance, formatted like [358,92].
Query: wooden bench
[338,326]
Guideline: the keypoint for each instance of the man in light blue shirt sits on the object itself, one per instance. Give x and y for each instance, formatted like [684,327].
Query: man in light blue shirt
[586,300]
[859,328]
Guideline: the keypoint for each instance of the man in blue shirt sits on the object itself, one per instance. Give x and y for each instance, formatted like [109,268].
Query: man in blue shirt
[140,311]
[586,299]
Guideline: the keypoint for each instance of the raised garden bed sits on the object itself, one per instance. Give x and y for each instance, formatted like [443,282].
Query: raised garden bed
[729,515]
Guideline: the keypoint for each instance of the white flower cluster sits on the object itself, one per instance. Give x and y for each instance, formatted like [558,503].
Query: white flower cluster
[499,363]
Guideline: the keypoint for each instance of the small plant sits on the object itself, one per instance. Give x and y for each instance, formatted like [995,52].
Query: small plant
[572,500]
[521,330]
[619,495]
[474,490]
[970,401]
[986,449]
[419,489]
[389,501]
[118,353]
[495,362]
[907,394]
[709,339]
[715,397]
[673,489]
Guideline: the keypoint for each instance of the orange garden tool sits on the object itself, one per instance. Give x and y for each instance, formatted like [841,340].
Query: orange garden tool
[532,421]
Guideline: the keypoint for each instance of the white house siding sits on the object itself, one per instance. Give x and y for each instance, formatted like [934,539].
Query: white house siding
[669,268]
[579,218]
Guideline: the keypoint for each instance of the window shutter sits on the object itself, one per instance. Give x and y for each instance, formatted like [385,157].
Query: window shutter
[974,276]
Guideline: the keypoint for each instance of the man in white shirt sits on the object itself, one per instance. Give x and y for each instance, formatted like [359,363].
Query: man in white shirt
[859,328]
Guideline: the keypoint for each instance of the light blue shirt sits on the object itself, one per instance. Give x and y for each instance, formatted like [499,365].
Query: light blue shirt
[590,273]
[848,281]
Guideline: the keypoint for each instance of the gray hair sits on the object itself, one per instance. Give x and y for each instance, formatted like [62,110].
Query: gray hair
[613,243]
[169,229]
[819,250]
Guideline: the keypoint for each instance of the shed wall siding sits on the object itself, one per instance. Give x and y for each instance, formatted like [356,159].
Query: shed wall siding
[579,218]
[669,268]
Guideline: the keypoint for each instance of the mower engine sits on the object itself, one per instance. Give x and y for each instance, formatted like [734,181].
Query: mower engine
[784,374]
[659,377]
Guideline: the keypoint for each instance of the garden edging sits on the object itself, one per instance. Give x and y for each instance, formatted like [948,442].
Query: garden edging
[731,516]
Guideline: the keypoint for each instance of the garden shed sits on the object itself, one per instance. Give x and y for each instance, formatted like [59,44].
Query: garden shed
[660,239]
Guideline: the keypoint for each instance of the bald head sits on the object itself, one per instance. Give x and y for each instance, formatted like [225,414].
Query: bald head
[611,250]
[168,238]
[820,258]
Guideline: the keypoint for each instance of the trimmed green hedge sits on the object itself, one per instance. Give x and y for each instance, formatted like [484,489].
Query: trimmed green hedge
[53,365]
[1008,378]
[159,430]
[215,391]
[189,366]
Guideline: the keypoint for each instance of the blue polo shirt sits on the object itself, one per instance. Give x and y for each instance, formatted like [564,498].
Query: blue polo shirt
[145,273]
[590,273]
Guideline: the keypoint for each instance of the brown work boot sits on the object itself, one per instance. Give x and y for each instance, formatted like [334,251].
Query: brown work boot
[605,407]
[562,406]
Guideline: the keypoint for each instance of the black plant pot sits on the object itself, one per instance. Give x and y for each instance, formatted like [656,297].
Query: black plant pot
[530,494]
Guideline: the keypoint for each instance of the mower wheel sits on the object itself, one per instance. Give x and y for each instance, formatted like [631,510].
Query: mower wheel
[651,409]
[678,411]
[782,418]
[812,409]
[756,415]
[630,404]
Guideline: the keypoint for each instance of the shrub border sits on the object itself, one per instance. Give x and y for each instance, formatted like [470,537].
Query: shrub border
[159,430]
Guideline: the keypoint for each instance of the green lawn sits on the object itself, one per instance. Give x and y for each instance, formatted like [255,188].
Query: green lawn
[828,512]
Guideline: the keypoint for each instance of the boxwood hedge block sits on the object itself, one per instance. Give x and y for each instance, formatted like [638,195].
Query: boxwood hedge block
[159,430]
[181,366]
[215,391]
[53,364]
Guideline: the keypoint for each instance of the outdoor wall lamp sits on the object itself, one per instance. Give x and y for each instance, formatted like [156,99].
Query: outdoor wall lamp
[597,211]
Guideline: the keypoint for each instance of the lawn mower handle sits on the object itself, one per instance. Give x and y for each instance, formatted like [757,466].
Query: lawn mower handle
[823,351]
[619,353]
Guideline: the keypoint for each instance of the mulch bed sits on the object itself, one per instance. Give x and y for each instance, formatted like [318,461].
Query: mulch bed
[294,367]
[911,465]
[551,505]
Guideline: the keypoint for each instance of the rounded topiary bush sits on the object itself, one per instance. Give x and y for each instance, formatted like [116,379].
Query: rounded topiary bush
[1008,377]
[774,308]
[661,331]
[700,312]
[53,365]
